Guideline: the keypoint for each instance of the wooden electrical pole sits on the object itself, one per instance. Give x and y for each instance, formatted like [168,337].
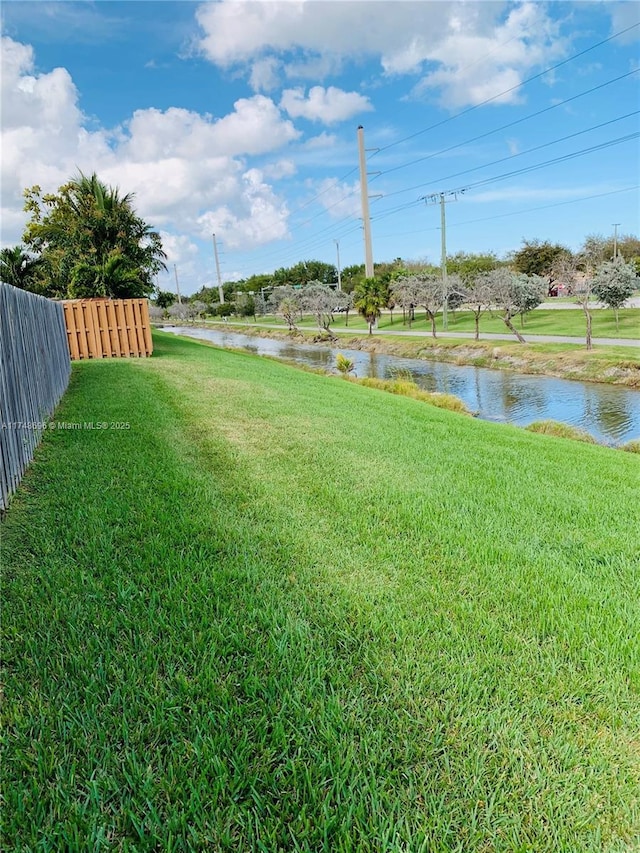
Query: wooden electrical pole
[364,200]
[215,252]
[175,272]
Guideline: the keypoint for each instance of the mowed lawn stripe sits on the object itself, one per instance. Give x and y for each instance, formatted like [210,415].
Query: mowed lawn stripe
[285,612]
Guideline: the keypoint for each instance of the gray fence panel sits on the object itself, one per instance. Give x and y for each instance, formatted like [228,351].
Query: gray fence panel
[34,373]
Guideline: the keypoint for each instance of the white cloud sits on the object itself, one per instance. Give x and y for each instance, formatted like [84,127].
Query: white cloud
[260,218]
[265,75]
[280,169]
[254,127]
[43,140]
[478,49]
[323,140]
[339,199]
[625,14]
[178,247]
[476,66]
[326,105]
[186,170]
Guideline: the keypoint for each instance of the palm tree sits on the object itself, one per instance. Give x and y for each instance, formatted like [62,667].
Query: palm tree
[93,242]
[18,268]
[114,277]
[371,296]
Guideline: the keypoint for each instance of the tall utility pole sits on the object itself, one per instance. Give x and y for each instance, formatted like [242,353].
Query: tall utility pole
[175,272]
[364,200]
[215,252]
[434,199]
[615,240]
[337,242]
[443,263]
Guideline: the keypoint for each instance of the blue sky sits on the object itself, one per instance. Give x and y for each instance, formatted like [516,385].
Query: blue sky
[240,118]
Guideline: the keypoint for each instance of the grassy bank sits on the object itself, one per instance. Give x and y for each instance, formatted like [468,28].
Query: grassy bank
[616,365]
[285,612]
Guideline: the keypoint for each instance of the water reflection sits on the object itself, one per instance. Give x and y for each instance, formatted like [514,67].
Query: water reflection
[611,414]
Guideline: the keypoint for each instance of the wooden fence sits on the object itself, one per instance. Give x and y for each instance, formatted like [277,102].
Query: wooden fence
[108,328]
[34,374]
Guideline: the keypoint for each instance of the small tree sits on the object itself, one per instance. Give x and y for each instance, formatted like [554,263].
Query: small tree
[576,272]
[537,257]
[286,304]
[262,306]
[156,312]
[371,296]
[430,295]
[222,309]
[319,299]
[347,300]
[469,266]
[613,283]
[245,305]
[178,311]
[405,292]
[196,308]
[351,277]
[514,294]
[478,297]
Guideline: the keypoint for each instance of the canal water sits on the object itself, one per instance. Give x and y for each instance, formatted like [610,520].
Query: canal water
[610,413]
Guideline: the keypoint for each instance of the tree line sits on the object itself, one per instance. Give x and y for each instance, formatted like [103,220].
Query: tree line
[86,240]
[480,282]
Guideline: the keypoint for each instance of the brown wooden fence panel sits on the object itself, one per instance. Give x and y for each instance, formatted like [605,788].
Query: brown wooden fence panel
[112,326]
[103,328]
[146,326]
[70,322]
[132,340]
[108,328]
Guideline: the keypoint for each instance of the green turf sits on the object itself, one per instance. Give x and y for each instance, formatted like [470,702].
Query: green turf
[542,321]
[283,612]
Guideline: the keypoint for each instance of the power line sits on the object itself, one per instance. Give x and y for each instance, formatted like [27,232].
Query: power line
[513,156]
[494,179]
[353,192]
[523,171]
[563,159]
[511,89]
[312,242]
[514,212]
[335,182]
[510,124]
[334,226]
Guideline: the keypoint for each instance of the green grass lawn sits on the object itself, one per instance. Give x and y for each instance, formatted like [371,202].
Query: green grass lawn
[284,612]
[542,321]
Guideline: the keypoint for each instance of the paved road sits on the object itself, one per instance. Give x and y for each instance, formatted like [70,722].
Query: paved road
[485,336]
[634,302]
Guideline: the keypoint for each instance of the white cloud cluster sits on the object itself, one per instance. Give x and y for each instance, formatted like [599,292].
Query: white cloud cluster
[188,171]
[467,51]
[43,138]
[325,105]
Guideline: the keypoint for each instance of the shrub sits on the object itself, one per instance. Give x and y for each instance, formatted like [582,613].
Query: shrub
[409,389]
[344,365]
[560,430]
[632,446]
